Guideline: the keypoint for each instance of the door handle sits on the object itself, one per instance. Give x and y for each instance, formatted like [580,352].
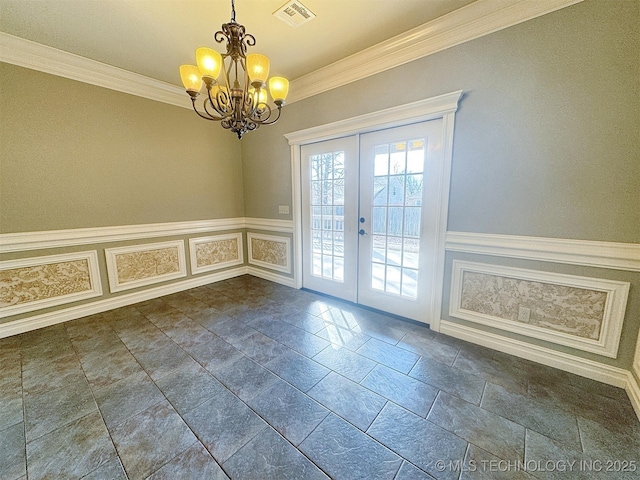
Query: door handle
[362,220]
[362,232]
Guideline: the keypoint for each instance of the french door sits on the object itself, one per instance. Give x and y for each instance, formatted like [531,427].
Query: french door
[369,207]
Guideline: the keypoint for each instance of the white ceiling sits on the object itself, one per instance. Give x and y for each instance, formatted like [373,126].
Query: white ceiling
[154,37]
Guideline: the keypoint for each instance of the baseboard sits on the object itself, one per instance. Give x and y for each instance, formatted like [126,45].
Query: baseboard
[59,316]
[570,363]
[271,276]
[633,390]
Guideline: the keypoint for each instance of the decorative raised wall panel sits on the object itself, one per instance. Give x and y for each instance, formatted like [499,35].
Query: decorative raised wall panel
[213,253]
[578,312]
[139,265]
[269,251]
[34,283]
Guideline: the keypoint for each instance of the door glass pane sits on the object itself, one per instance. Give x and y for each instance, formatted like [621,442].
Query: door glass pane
[397,200]
[379,220]
[415,156]
[398,158]
[327,215]
[381,160]
[380,190]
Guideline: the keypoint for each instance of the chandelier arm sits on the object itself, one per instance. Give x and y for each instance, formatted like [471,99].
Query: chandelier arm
[212,115]
[206,116]
[267,120]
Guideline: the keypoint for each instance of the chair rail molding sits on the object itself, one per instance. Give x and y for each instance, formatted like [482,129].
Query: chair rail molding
[25,241]
[590,253]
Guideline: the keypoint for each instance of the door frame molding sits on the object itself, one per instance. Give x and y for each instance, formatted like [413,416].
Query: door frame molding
[441,106]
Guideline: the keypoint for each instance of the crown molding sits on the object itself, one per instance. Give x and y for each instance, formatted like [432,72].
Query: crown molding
[28,54]
[477,19]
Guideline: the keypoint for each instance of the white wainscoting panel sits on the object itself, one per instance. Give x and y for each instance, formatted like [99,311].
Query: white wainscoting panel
[604,342]
[215,252]
[139,265]
[269,251]
[29,284]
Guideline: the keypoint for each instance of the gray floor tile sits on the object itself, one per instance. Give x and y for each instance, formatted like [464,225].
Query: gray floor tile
[389,355]
[495,367]
[464,385]
[102,343]
[543,454]
[259,347]
[480,464]
[213,353]
[344,452]
[232,330]
[224,424]
[599,442]
[421,442]
[12,452]
[245,378]
[145,339]
[293,414]
[86,447]
[45,353]
[429,348]
[145,441]
[545,419]
[269,456]
[213,319]
[407,392]
[351,401]
[188,387]
[352,339]
[487,430]
[52,375]
[347,363]
[305,321]
[112,469]
[409,472]
[299,371]
[64,441]
[612,414]
[52,409]
[293,337]
[104,369]
[164,360]
[11,399]
[195,463]
[122,400]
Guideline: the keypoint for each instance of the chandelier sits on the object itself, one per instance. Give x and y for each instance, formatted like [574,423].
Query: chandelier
[238,100]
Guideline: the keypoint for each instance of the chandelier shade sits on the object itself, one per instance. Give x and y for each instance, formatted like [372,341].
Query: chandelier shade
[235,82]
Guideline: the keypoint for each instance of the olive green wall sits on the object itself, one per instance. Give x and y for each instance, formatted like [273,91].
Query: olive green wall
[546,136]
[75,155]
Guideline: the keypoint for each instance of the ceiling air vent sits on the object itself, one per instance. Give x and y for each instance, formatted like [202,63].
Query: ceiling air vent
[294,13]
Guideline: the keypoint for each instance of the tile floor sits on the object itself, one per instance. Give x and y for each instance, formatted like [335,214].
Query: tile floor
[247,379]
